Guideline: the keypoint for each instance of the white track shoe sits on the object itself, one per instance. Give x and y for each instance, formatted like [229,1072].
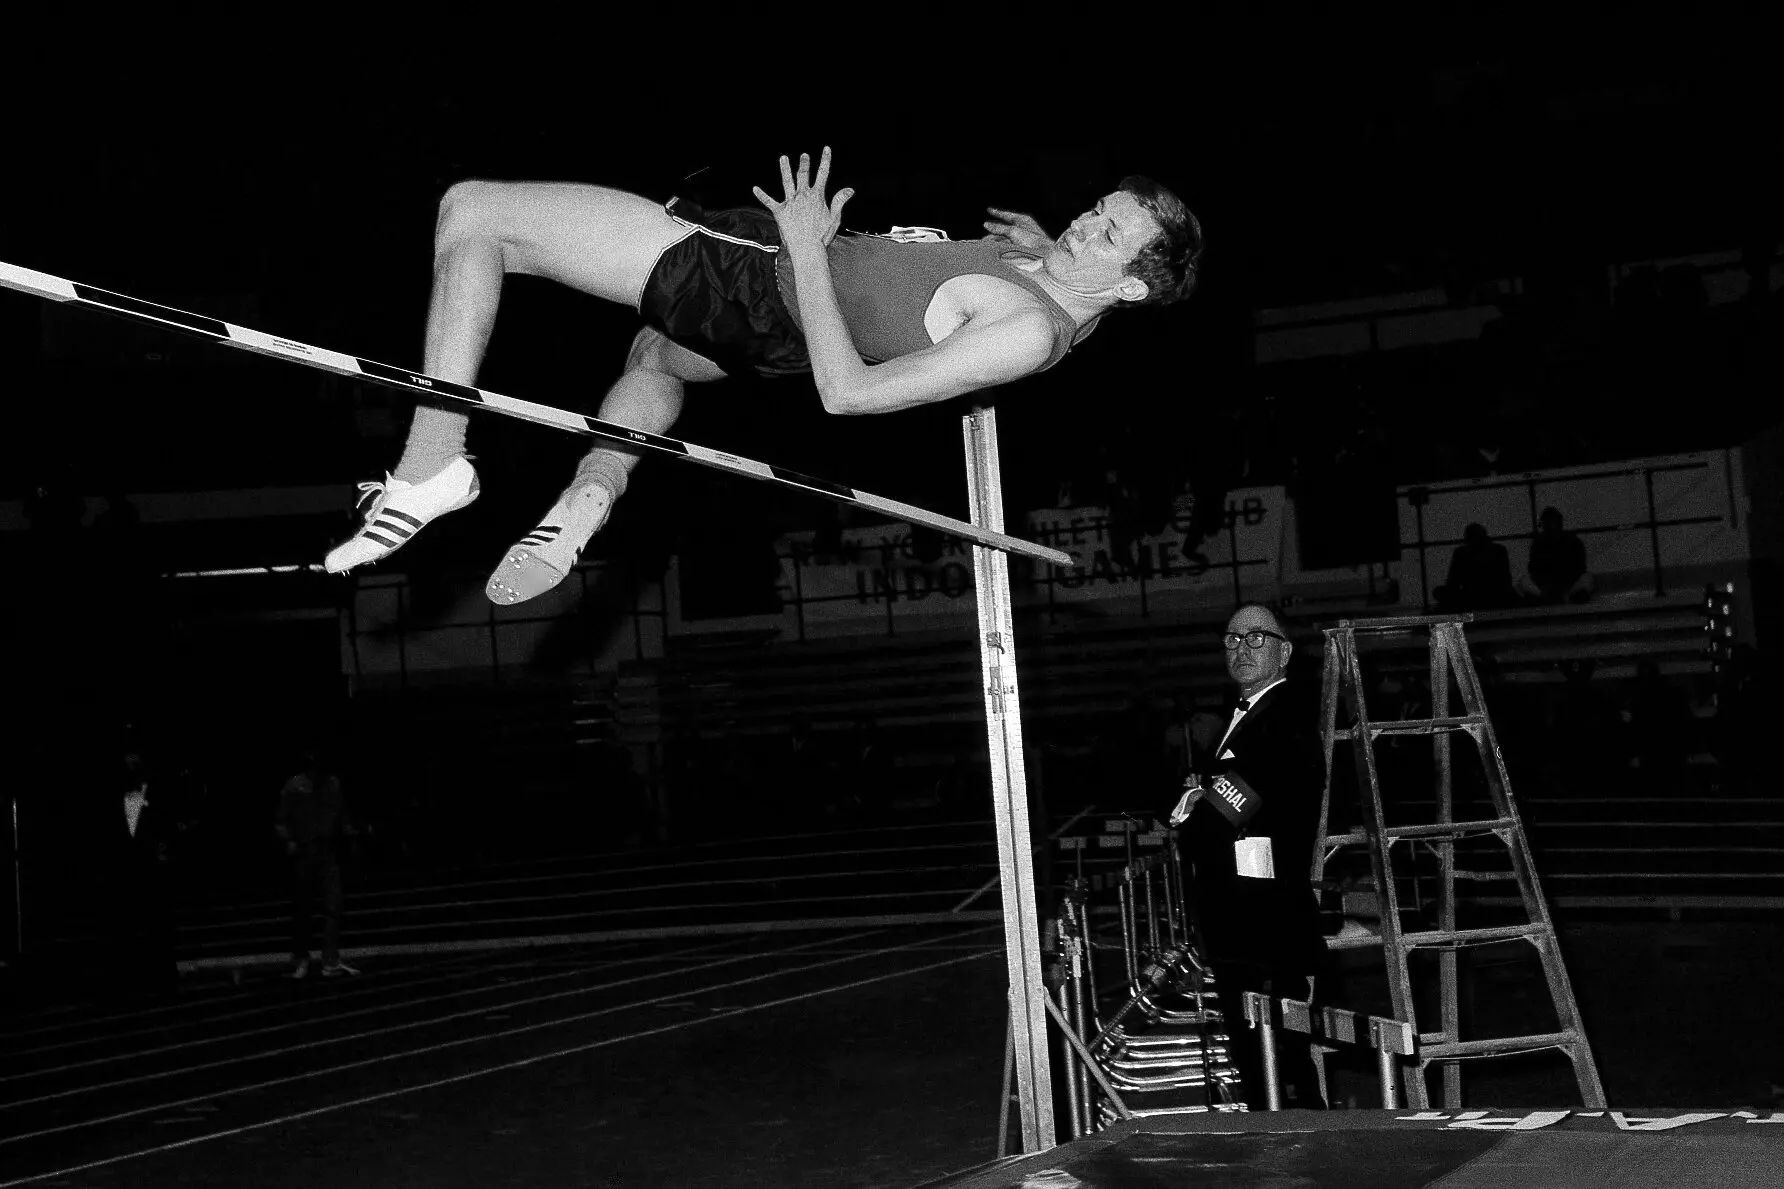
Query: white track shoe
[544,557]
[399,510]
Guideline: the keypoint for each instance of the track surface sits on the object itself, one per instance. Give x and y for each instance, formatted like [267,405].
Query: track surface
[689,1026]
[383,1079]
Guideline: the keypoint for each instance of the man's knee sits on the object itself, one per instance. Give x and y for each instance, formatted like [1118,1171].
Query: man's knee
[652,350]
[646,352]
[462,211]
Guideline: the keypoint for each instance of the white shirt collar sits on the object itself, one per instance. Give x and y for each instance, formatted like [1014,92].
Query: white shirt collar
[1248,703]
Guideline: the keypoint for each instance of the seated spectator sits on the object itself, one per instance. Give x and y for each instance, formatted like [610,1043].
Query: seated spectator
[1479,574]
[1557,570]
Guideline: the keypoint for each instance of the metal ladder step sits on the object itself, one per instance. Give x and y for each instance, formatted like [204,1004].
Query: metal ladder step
[1413,726]
[1445,938]
[1483,936]
[1437,1049]
[1441,831]
[1398,624]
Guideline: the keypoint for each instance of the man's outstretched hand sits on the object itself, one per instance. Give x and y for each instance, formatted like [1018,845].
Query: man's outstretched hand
[1019,229]
[804,217]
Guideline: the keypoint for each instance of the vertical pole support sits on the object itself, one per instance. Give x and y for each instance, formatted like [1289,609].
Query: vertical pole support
[1028,998]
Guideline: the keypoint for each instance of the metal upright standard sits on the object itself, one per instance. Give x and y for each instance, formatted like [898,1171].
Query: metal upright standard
[1029,1002]
[1492,846]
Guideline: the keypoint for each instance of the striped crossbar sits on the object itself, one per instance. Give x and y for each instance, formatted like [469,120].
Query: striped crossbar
[54,288]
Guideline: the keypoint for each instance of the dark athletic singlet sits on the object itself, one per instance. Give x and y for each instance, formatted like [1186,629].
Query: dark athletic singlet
[883,288]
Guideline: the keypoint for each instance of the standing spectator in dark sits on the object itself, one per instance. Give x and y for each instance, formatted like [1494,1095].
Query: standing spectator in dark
[1479,574]
[871,774]
[311,823]
[141,831]
[1557,570]
[1247,826]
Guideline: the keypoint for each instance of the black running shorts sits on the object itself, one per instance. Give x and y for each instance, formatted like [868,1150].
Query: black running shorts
[714,292]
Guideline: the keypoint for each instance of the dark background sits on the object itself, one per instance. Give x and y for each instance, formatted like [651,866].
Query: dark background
[291,187]
[281,170]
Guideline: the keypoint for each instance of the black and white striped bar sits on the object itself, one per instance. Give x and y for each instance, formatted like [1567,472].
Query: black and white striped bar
[57,289]
[1330,1026]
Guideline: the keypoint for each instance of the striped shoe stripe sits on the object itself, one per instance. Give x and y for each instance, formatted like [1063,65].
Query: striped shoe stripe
[415,521]
[390,526]
[369,535]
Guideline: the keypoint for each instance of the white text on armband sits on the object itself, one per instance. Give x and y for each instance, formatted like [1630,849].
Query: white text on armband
[1229,793]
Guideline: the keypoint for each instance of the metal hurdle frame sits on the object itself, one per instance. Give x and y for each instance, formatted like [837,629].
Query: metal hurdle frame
[1330,1026]
[1156,956]
[1029,1003]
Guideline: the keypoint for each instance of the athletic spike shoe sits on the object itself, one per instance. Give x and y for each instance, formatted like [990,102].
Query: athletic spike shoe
[398,510]
[544,557]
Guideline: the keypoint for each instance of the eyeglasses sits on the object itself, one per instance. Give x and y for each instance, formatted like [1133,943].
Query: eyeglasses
[1253,639]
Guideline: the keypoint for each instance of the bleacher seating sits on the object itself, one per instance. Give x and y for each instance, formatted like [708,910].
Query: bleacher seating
[922,694]
[1079,673]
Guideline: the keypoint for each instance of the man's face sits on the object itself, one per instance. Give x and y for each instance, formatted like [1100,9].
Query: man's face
[1253,668]
[1094,252]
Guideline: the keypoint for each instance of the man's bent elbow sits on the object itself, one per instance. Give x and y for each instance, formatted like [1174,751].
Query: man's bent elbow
[840,402]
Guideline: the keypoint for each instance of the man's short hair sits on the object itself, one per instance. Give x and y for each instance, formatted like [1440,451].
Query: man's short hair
[1268,607]
[1170,263]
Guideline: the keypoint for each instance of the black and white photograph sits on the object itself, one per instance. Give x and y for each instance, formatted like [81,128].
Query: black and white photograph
[968,599]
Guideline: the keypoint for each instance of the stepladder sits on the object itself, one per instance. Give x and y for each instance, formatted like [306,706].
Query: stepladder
[1453,887]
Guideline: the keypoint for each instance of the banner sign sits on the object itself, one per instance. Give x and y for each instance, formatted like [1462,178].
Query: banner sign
[882,571]
[1170,565]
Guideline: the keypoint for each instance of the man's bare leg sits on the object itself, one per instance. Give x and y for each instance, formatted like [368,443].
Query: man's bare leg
[648,397]
[600,241]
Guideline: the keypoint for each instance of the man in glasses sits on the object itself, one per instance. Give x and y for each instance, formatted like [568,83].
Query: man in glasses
[1247,823]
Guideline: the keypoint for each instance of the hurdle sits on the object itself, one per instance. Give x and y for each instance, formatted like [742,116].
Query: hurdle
[1331,1027]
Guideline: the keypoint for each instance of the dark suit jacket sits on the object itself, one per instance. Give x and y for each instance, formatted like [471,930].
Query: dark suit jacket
[1272,922]
[135,861]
